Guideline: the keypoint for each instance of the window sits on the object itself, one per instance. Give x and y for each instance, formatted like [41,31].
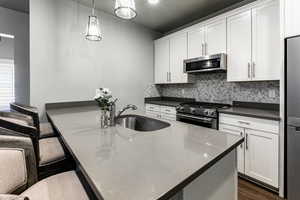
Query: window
[7,80]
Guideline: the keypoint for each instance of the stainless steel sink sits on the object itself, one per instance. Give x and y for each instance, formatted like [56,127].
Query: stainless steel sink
[141,123]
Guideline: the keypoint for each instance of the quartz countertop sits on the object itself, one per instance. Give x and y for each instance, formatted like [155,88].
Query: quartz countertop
[167,101]
[125,164]
[252,112]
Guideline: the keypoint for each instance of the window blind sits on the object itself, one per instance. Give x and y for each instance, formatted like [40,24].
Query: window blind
[7,80]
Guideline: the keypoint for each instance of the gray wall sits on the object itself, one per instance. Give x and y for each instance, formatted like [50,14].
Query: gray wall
[7,47]
[17,24]
[215,88]
[66,67]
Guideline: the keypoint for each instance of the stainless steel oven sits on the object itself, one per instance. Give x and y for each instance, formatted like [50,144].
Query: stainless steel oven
[198,120]
[217,62]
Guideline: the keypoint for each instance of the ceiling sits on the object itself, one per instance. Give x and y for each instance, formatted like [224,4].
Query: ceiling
[168,15]
[164,17]
[18,5]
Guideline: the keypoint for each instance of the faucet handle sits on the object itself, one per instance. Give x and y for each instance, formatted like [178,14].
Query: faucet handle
[133,107]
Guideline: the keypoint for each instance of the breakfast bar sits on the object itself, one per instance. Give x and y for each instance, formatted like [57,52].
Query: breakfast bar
[180,161]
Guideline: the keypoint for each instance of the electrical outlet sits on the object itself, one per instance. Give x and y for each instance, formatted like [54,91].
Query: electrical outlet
[272,93]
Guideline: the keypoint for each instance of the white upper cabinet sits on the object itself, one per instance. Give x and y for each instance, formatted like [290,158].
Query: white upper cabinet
[196,40]
[254,50]
[239,47]
[162,60]
[216,37]
[178,53]
[266,60]
[208,39]
[292,16]
[170,52]
[261,156]
[250,36]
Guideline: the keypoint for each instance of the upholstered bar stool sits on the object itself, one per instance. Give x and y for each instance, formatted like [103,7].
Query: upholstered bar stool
[18,174]
[44,129]
[49,151]
[18,169]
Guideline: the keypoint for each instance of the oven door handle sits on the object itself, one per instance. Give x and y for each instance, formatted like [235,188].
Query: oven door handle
[204,119]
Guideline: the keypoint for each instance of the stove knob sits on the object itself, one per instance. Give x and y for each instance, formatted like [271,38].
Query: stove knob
[213,113]
[206,112]
[193,110]
[209,112]
[179,108]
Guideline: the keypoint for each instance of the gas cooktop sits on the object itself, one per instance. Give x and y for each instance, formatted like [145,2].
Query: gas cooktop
[206,109]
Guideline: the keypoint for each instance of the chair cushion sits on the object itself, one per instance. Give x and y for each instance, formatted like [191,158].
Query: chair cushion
[13,172]
[12,197]
[64,186]
[46,130]
[51,151]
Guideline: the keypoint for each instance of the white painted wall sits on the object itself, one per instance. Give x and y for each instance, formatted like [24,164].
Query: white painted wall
[17,24]
[66,67]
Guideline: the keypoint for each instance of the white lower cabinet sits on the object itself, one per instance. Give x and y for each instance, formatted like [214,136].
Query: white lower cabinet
[258,156]
[163,112]
[241,150]
[261,156]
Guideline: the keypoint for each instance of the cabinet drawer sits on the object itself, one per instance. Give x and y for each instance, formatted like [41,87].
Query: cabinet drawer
[171,117]
[250,122]
[168,110]
[153,114]
[152,107]
[231,129]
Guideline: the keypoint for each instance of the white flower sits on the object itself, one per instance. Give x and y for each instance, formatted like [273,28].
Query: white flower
[97,96]
[99,93]
[106,91]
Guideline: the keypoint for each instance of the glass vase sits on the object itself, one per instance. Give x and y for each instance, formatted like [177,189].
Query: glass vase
[103,118]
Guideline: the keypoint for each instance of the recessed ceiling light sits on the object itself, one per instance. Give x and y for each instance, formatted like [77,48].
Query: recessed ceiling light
[153,1]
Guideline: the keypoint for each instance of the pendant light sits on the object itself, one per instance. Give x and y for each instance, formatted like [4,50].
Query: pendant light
[93,32]
[125,9]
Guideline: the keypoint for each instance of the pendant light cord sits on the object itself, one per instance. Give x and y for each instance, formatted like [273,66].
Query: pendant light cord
[94,6]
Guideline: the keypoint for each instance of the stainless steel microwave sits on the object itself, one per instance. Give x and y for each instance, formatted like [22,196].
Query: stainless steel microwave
[217,62]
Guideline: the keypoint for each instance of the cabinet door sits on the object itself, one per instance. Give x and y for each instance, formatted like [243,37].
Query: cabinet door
[292,16]
[239,47]
[162,60]
[216,37]
[261,156]
[178,53]
[266,61]
[241,149]
[196,39]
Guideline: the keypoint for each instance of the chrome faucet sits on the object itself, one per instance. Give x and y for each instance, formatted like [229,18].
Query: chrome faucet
[113,116]
[130,106]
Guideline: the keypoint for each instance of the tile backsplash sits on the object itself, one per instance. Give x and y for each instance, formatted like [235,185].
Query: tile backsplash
[215,88]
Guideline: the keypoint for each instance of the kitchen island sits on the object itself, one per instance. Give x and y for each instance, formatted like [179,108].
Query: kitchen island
[181,161]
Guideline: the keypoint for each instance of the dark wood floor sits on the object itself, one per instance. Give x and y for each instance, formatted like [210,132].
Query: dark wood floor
[249,191]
